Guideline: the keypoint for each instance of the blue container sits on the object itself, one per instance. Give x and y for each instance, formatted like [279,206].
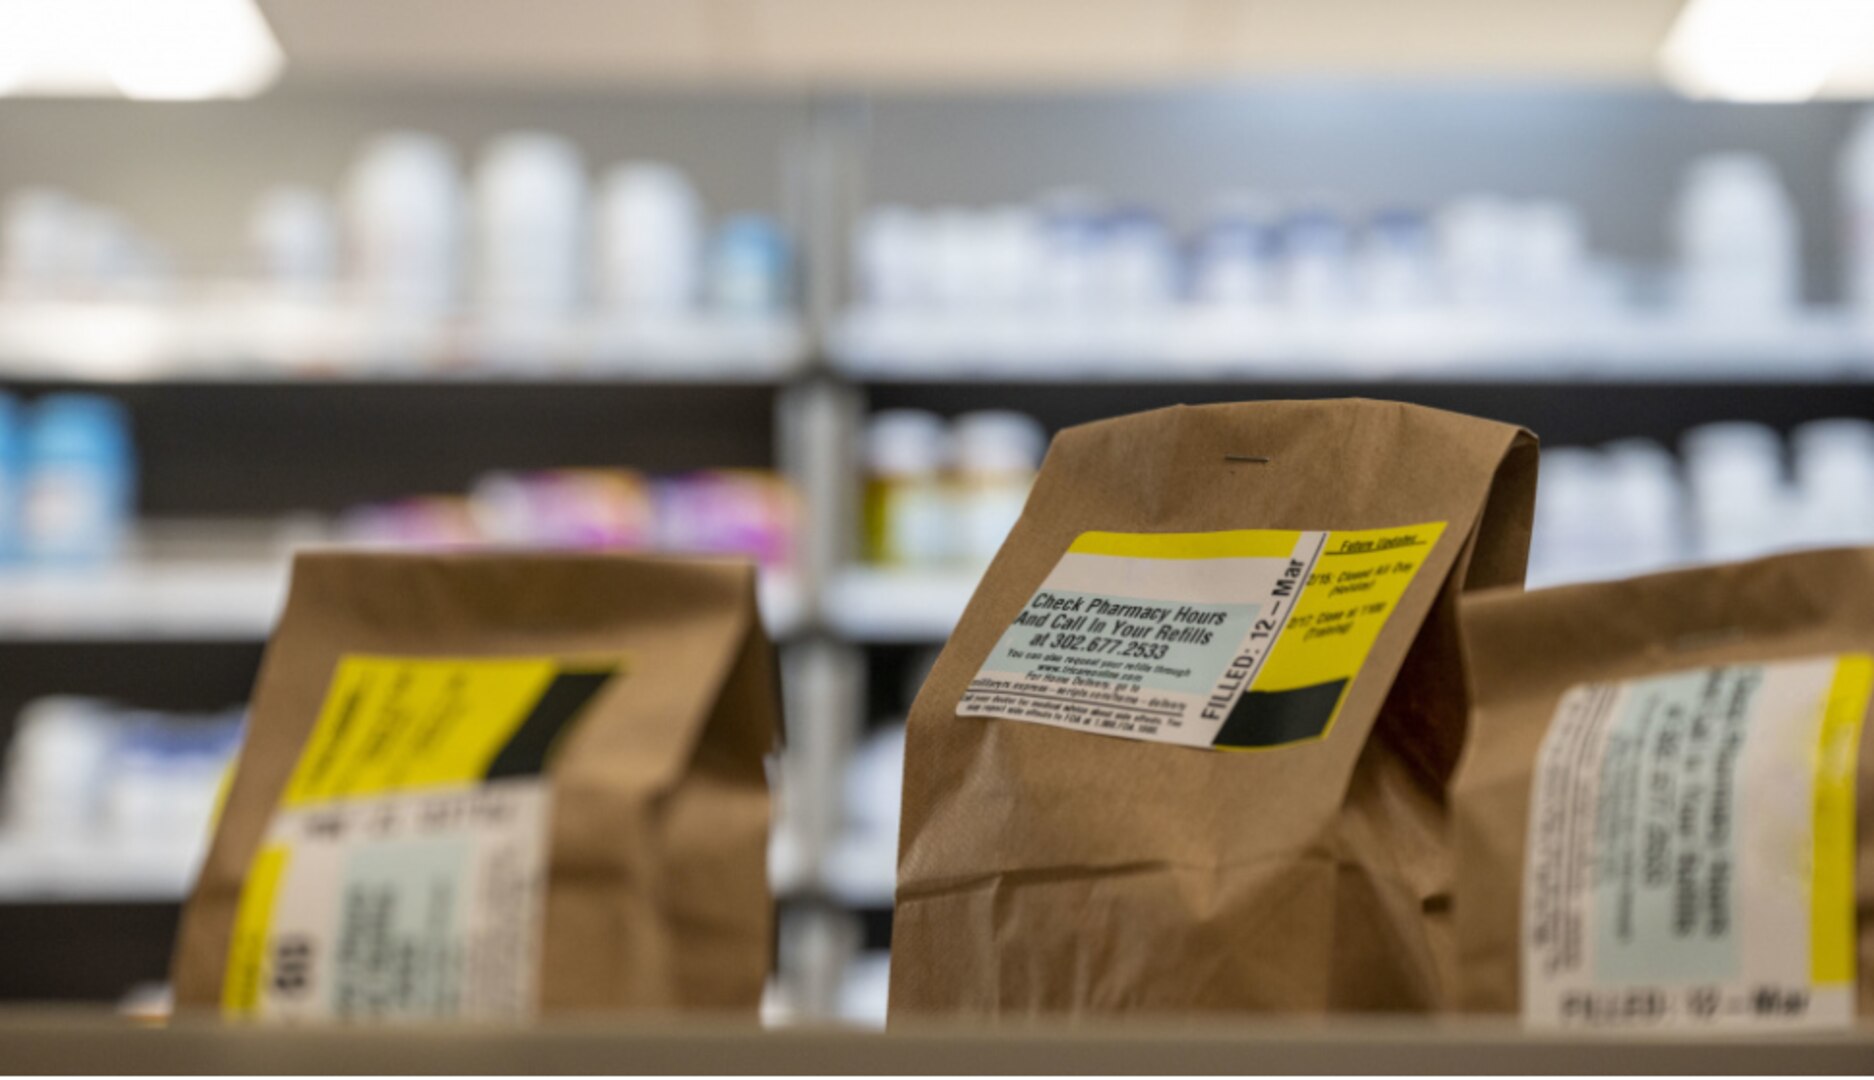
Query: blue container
[749,268]
[12,479]
[80,480]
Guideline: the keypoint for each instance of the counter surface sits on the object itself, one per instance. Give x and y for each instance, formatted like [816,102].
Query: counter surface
[65,1041]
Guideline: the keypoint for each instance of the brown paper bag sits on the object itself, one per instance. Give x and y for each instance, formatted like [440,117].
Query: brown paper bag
[1655,818]
[490,785]
[1309,552]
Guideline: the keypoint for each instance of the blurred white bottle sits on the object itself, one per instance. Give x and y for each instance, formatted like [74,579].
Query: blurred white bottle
[1476,252]
[1646,505]
[1570,541]
[1317,263]
[1065,282]
[1741,506]
[531,222]
[1549,257]
[107,255]
[864,857]
[1137,269]
[1834,469]
[1855,177]
[865,990]
[908,516]
[997,453]
[1738,241]
[1011,253]
[292,235]
[404,220]
[56,770]
[36,233]
[890,259]
[1395,263]
[875,786]
[956,259]
[1234,265]
[651,237]
[165,776]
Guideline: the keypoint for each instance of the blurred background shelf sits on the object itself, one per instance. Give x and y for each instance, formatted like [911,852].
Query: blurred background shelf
[1562,411]
[1032,345]
[120,603]
[202,601]
[886,606]
[95,873]
[107,342]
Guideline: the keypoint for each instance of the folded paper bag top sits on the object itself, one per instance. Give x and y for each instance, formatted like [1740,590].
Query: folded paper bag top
[484,786]
[1655,818]
[1187,748]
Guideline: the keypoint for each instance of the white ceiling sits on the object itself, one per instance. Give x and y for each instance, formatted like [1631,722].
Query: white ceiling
[961,42]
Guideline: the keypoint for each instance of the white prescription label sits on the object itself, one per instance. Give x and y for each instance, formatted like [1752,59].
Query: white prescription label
[1247,639]
[1691,850]
[419,905]
[403,873]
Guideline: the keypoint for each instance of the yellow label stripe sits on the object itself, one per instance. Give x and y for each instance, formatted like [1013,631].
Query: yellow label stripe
[1832,919]
[413,723]
[1238,544]
[253,921]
